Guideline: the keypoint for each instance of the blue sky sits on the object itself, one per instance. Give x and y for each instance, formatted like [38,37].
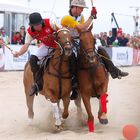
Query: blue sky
[60,8]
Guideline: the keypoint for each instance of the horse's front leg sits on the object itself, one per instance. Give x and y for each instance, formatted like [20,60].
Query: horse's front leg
[56,115]
[86,101]
[103,109]
[66,101]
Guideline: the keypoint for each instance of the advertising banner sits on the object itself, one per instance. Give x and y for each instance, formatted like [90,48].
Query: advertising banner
[12,63]
[136,57]
[122,56]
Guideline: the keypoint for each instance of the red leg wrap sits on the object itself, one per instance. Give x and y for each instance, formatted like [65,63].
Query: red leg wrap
[91,126]
[103,102]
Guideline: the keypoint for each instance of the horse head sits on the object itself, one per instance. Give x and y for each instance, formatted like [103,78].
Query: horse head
[87,44]
[64,40]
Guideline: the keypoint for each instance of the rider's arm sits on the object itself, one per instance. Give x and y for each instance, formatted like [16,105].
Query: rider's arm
[69,21]
[86,24]
[25,47]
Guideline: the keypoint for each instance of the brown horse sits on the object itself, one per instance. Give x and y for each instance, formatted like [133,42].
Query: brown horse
[93,78]
[57,79]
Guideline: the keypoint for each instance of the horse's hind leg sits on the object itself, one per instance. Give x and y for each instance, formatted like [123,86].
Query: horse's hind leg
[78,104]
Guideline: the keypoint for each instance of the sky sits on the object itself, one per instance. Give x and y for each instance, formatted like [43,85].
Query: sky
[59,8]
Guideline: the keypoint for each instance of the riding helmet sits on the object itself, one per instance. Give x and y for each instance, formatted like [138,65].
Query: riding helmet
[35,19]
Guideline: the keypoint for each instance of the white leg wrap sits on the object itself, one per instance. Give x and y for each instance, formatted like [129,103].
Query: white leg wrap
[56,113]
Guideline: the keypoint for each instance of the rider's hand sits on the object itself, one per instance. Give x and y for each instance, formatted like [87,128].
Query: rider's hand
[94,12]
[16,54]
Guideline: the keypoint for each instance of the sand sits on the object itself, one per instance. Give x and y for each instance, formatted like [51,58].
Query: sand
[123,109]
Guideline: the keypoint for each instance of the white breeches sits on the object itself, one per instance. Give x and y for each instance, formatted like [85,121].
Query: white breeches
[43,51]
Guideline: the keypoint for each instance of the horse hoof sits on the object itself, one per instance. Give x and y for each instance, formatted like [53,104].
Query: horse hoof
[63,120]
[30,122]
[103,121]
[58,127]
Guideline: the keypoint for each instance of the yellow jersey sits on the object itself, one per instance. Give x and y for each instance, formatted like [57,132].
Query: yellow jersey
[71,22]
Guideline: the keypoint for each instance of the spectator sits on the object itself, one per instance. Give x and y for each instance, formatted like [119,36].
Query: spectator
[120,39]
[3,36]
[110,39]
[103,40]
[134,42]
[124,40]
[97,41]
[22,34]
[16,38]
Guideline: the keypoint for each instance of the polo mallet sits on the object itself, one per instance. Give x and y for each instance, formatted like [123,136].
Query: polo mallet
[91,22]
[92,7]
[3,44]
[92,3]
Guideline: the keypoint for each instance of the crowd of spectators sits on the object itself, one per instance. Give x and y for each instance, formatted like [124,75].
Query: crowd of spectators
[102,39]
[18,37]
[121,39]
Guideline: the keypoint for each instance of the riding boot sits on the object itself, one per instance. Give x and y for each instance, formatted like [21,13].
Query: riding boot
[73,71]
[37,75]
[111,68]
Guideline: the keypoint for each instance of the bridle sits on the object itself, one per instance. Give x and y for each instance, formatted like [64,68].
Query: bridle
[89,53]
[60,58]
[58,40]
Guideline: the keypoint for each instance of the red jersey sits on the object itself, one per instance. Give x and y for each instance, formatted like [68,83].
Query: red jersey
[45,36]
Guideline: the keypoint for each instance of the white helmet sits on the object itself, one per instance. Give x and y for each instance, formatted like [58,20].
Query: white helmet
[79,3]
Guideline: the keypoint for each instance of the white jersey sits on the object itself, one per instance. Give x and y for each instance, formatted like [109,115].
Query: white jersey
[74,32]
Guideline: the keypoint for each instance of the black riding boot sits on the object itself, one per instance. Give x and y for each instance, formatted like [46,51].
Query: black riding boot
[113,70]
[73,70]
[37,74]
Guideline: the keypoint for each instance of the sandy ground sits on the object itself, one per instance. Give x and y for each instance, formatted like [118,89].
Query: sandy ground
[123,109]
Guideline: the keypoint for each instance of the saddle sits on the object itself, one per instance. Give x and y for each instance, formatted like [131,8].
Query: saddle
[44,62]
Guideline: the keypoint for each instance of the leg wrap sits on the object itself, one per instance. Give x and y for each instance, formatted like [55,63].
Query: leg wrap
[56,114]
[103,101]
[91,126]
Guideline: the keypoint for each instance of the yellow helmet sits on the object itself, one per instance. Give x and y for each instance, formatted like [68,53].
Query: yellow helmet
[79,3]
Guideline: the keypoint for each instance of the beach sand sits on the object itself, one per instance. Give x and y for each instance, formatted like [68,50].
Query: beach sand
[123,109]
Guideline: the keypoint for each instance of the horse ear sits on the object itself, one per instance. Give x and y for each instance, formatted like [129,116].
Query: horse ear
[90,27]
